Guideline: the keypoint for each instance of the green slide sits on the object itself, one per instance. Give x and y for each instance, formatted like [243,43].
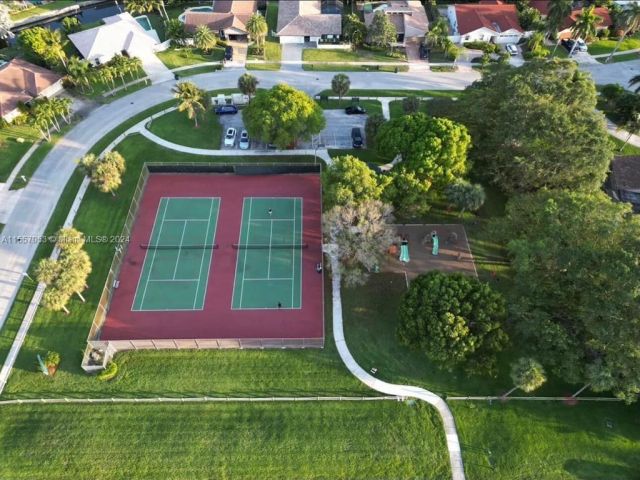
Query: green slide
[404,253]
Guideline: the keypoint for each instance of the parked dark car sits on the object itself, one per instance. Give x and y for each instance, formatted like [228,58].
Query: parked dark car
[226,110]
[228,53]
[356,138]
[355,110]
[424,52]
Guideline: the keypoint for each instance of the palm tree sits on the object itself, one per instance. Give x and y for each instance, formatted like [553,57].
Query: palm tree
[585,26]
[247,84]
[78,70]
[191,99]
[257,28]
[56,42]
[204,38]
[146,6]
[630,22]
[535,41]
[559,10]
[438,34]
[631,126]
[340,84]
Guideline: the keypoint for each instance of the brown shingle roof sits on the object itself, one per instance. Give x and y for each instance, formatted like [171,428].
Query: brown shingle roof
[304,18]
[625,173]
[602,12]
[21,81]
[226,14]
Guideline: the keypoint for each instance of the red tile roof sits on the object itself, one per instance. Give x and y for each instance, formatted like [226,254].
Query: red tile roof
[21,81]
[491,14]
[541,5]
[602,12]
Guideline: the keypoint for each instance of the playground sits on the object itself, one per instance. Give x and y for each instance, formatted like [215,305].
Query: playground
[422,248]
[222,256]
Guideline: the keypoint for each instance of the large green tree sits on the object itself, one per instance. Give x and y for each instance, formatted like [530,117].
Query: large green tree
[382,32]
[282,116]
[455,319]
[537,126]
[575,295]
[348,179]
[434,148]
[354,29]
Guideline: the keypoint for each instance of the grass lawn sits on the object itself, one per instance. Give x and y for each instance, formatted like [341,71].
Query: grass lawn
[544,440]
[197,71]
[364,154]
[600,47]
[177,128]
[371,106]
[11,151]
[361,92]
[181,57]
[361,55]
[622,149]
[99,89]
[625,57]
[395,108]
[273,57]
[40,9]
[182,373]
[241,441]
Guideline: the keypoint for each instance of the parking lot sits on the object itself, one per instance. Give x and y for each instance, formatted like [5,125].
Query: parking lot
[336,134]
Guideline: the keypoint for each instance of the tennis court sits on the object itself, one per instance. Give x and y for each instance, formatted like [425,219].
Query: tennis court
[178,255]
[269,262]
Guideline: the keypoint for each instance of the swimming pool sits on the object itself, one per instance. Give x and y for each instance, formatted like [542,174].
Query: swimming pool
[144,22]
[194,9]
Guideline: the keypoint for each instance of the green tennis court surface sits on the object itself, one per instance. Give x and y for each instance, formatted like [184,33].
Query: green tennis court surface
[268,268]
[176,265]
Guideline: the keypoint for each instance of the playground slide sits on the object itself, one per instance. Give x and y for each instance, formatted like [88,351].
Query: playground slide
[404,253]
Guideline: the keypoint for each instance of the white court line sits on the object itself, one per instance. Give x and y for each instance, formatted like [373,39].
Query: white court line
[184,229]
[153,258]
[244,266]
[175,280]
[301,239]
[186,220]
[293,256]
[273,219]
[267,279]
[269,257]
[206,234]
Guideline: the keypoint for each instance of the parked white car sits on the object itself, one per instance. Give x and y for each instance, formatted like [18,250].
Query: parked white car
[582,46]
[244,140]
[230,137]
[511,49]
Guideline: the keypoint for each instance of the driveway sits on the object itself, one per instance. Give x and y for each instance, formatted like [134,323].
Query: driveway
[292,52]
[337,133]
[239,53]
[619,72]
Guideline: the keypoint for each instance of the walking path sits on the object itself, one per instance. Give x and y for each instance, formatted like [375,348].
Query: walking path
[205,399]
[622,134]
[451,434]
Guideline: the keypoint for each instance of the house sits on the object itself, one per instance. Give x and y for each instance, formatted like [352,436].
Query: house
[120,34]
[623,183]
[487,21]
[302,21]
[543,7]
[408,16]
[21,82]
[228,18]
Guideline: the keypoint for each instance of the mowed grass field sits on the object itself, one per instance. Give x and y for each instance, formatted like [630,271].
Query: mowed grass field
[177,128]
[549,441]
[336,440]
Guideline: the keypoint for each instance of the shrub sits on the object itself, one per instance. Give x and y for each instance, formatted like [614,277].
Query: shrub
[604,33]
[108,373]
[52,359]
[611,91]
[486,47]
